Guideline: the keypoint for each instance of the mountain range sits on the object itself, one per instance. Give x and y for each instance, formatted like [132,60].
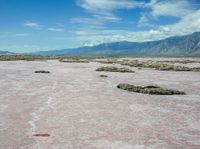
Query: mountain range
[6,53]
[188,45]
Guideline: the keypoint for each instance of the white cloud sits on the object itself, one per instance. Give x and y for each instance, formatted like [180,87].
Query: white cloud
[144,21]
[56,29]
[36,25]
[175,8]
[159,8]
[105,6]
[81,32]
[13,34]
[188,24]
[182,27]
[91,21]
[32,24]
[102,11]
[18,48]
[91,30]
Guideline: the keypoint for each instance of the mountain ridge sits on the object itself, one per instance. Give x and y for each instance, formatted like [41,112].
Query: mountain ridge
[5,53]
[187,45]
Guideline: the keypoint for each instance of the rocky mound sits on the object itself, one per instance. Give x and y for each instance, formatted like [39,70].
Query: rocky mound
[42,71]
[158,66]
[153,90]
[103,76]
[115,69]
[74,60]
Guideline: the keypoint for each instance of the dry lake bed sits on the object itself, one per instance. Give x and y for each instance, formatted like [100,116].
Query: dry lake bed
[72,107]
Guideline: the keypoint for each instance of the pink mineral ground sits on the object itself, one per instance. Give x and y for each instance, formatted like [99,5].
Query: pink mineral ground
[74,108]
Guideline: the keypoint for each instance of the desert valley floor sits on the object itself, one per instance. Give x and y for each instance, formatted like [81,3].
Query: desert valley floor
[72,107]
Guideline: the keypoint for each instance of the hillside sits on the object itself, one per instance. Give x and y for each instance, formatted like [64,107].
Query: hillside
[188,45]
[5,53]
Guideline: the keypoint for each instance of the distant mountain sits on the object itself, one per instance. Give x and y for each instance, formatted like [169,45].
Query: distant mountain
[188,45]
[5,53]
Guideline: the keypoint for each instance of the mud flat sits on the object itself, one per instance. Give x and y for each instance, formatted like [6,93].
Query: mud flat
[72,107]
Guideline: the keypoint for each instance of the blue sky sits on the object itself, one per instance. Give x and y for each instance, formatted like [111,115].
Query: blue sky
[33,25]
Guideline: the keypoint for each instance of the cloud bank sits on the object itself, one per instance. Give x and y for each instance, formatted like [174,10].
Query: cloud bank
[103,11]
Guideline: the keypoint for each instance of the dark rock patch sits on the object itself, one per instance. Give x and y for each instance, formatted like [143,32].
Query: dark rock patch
[153,90]
[42,71]
[103,76]
[74,60]
[114,69]
[158,66]
[41,135]
[180,61]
